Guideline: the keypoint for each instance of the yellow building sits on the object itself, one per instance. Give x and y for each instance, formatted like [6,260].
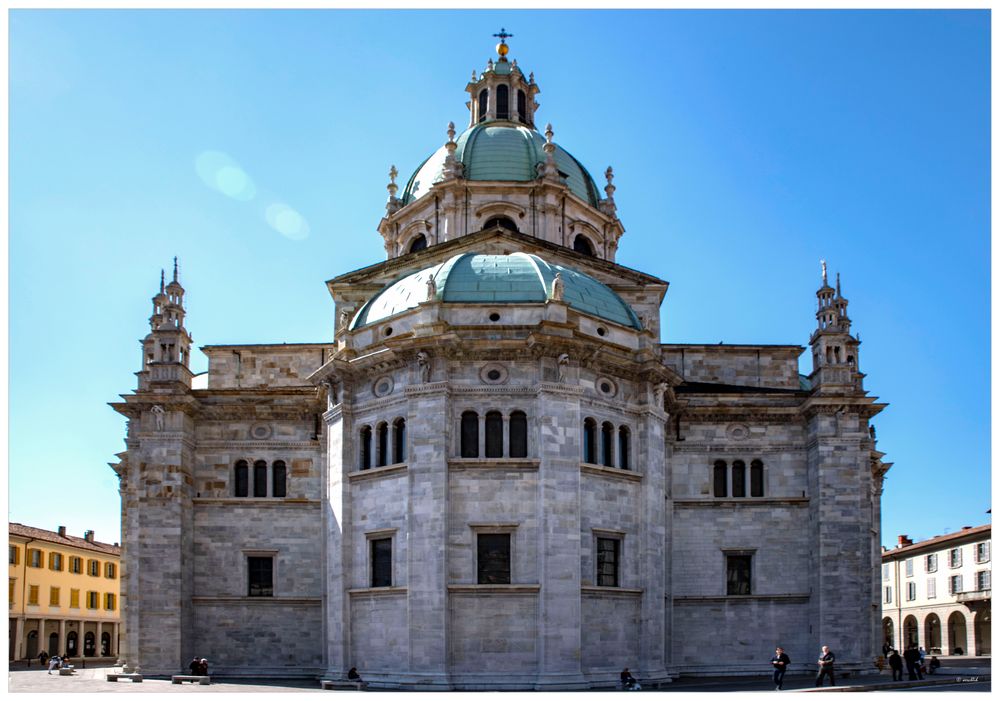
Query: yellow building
[64,594]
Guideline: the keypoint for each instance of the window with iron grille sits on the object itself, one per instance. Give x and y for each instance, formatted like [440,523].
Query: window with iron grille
[931,563]
[955,557]
[982,580]
[738,574]
[381,558]
[260,576]
[493,558]
[608,554]
[955,584]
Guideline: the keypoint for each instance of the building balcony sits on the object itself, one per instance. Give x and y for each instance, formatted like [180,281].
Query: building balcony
[968,597]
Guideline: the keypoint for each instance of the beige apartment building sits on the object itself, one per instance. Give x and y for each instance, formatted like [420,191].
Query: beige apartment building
[63,593]
[936,593]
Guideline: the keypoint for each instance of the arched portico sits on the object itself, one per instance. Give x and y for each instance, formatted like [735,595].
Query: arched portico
[981,630]
[957,636]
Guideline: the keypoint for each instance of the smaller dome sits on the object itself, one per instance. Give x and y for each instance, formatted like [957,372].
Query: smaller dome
[505,151]
[518,278]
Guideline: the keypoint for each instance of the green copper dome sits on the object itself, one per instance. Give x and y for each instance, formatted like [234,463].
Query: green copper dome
[517,278]
[498,150]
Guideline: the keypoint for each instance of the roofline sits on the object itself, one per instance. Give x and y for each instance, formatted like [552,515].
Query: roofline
[223,346]
[409,261]
[932,543]
[783,346]
[52,536]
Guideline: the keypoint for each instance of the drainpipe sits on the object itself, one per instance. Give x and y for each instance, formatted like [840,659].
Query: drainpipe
[24,600]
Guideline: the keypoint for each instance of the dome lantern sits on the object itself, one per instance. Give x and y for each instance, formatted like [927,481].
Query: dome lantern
[501,92]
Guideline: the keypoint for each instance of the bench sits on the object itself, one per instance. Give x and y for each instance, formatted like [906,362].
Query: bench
[178,678]
[66,670]
[341,684]
[124,675]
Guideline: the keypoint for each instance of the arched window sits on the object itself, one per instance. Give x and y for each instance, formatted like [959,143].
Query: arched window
[518,435]
[366,448]
[89,646]
[589,441]
[522,107]
[260,479]
[54,644]
[470,434]
[71,643]
[418,244]
[624,440]
[494,434]
[241,483]
[607,444]
[581,244]
[719,478]
[483,97]
[278,478]
[503,102]
[739,478]
[399,440]
[756,478]
[502,222]
[382,445]
[105,644]
[32,644]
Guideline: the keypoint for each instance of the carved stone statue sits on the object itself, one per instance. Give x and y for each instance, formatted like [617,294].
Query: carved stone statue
[432,289]
[158,414]
[331,393]
[558,288]
[562,362]
[658,391]
[424,363]
[345,319]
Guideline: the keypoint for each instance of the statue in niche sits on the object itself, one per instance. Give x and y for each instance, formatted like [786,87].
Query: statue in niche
[345,319]
[558,288]
[658,392]
[158,417]
[562,363]
[432,289]
[424,364]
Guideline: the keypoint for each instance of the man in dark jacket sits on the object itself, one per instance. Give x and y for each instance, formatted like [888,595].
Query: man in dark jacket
[780,662]
[896,665]
[912,658]
[825,662]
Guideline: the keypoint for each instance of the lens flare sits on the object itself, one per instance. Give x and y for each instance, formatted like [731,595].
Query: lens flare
[223,174]
[286,221]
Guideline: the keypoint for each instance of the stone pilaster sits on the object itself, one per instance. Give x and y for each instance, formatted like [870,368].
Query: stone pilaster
[653,545]
[337,552]
[559,547]
[427,526]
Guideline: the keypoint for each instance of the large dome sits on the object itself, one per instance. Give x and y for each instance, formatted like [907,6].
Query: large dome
[517,278]
[501,151]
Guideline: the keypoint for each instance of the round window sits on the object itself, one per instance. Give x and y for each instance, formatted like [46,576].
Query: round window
[601,331]
[494,375]
[387,331]
[494,317]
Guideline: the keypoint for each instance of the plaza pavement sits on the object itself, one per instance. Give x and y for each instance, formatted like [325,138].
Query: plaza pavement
[92,680]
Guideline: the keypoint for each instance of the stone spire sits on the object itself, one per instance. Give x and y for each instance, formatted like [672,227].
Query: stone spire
[393,204]
[502,92]
[453,167]
[607,205]
[835,351]
[168,342]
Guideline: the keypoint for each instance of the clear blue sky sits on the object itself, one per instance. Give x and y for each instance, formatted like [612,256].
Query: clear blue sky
[747,146]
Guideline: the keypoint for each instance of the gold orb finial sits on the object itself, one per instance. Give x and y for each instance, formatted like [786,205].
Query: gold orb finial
[502,50]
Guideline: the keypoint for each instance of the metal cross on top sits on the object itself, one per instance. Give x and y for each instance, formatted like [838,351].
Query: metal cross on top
[503,35]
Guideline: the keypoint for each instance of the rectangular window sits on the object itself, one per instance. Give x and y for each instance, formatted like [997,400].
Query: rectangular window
[738,572]
[493,558]
[982,552]
[719,479]
[53,596]
[56,561]
[888,595]
[955,558]
[608,554]
[93,568]
[278,479]
[930,563]
[10,590]
[109,602]
[982,580]
[909,567]
[932,588]
[885,573]
[381,558]
[911,591]
[92,599]
[955,584]
[33,594]
[14,557]
[74,598]
[260,576]
[34,558]
[110,571]
[76,565]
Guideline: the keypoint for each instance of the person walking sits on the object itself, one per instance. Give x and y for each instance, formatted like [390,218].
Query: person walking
[54,663]
[195,666]
[825,662]
[780,662]
[912,658]
[896,665]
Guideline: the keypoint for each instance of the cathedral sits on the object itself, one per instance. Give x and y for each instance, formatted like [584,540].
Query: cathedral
[497,475]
